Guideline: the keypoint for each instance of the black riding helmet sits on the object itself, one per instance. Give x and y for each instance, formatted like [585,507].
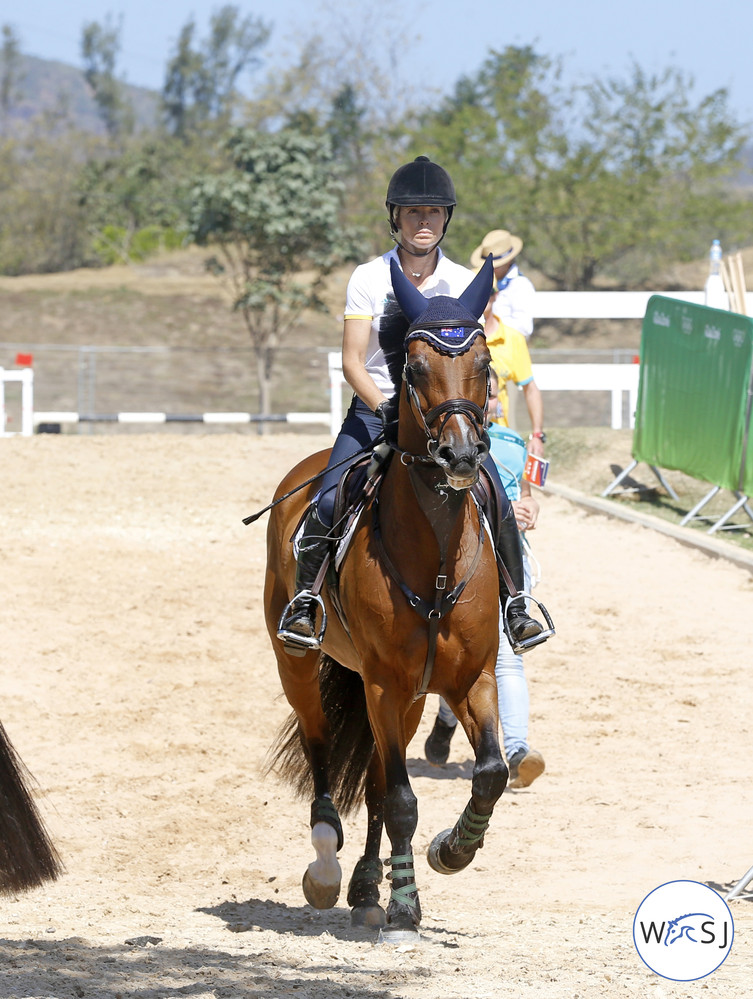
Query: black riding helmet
[420,183]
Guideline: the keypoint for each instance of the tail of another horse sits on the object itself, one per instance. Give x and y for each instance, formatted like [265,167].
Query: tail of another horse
[351,744]
[27,856]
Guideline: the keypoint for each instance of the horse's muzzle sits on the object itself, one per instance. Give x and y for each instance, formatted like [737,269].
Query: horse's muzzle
[460,463]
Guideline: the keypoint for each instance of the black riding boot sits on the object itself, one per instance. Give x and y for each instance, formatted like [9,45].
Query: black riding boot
[297,625]
[522,626]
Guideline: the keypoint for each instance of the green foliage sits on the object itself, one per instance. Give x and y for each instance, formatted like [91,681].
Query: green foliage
[201,81]
[42,228]
[604,182]
[116,245]
[607,180]
[138,202]
[100,45]
[10,70]
[274,219]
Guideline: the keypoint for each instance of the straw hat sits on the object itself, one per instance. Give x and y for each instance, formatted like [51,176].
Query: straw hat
[502,245]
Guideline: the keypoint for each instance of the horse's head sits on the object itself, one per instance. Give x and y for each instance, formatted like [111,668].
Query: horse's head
[446,375]
[683,927]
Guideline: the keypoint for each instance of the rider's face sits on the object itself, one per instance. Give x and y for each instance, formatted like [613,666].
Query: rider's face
[421,225]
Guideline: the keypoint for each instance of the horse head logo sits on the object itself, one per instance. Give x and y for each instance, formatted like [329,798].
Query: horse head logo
[684,927]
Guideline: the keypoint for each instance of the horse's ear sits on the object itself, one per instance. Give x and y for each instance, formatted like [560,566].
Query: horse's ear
[476,296]
[409,298]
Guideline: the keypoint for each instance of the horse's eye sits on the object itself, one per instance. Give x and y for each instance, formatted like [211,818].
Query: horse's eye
[418,368]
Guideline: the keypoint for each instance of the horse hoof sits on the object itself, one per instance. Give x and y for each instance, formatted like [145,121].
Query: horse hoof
[370,916]
[321,882]
[388,935]
[320,896]
[432,854]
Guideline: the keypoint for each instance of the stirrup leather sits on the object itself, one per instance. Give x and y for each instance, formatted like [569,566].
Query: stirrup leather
[527,643]
[294,642]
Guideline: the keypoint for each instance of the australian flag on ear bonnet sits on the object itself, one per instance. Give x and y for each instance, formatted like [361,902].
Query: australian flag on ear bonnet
[450,325]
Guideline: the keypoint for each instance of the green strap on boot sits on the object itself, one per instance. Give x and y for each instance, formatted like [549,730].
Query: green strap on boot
[403,893]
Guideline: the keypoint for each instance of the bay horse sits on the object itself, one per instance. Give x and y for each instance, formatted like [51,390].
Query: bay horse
[27,855]
[419,596]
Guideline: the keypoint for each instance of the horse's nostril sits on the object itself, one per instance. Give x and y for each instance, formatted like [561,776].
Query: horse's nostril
[446,453]
[481,450]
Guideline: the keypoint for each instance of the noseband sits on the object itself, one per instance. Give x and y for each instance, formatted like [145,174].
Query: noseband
[476,415]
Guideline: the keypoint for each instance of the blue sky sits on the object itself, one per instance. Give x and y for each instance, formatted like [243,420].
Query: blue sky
[433,43]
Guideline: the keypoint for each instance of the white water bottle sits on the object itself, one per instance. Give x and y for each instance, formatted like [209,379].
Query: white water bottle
[714,294]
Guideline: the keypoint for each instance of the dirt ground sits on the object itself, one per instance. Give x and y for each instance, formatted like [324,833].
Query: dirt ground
[138,684]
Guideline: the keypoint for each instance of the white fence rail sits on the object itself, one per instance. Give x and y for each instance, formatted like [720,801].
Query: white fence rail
[617,379]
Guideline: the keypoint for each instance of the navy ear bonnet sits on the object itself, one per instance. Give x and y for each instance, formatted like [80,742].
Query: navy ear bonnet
[446,325]
[450,325]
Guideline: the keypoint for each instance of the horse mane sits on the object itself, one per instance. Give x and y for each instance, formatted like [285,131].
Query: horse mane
[393,328]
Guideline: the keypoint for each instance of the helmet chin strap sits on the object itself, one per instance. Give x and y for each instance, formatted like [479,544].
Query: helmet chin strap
[414,253]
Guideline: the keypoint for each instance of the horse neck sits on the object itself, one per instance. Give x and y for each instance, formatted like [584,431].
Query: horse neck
[425,521]
[412,509]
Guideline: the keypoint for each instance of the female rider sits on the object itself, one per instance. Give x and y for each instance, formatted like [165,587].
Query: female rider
[420,201]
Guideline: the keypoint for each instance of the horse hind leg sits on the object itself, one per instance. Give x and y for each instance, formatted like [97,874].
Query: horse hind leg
[363,889]
[334,731]
[300,756]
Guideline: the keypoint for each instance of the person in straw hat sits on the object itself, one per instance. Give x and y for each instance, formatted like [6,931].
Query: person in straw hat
[525,763]
[515,293]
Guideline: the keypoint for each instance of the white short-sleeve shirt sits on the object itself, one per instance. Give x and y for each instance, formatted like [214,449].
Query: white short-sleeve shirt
[370,288]
[513,305]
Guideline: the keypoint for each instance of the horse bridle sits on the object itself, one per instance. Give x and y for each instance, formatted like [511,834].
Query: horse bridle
[476,416]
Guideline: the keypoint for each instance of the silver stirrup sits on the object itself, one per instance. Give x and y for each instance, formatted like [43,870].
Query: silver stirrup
[527,643]
[296,644]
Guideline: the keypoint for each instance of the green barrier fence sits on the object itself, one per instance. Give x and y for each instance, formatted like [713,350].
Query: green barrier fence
[693,410]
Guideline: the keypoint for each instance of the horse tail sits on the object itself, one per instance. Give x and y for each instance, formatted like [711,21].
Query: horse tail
[351,744]
[27,855]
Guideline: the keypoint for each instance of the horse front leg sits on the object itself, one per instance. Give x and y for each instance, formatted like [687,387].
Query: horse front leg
[363,890]
[454,849]
[393,730]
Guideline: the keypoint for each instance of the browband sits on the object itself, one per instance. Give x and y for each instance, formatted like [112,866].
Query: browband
[446,339]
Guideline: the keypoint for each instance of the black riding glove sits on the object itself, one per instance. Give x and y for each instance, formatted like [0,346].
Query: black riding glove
[381,412]
[386,413]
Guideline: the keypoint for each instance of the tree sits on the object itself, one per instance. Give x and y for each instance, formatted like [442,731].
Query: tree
[201,83]
[10,71]
[41,224]
[100,45]
[273,217]
[609,179]
[354,80]
[137,201]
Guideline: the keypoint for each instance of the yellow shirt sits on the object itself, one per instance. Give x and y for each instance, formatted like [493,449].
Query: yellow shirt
[512,362]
